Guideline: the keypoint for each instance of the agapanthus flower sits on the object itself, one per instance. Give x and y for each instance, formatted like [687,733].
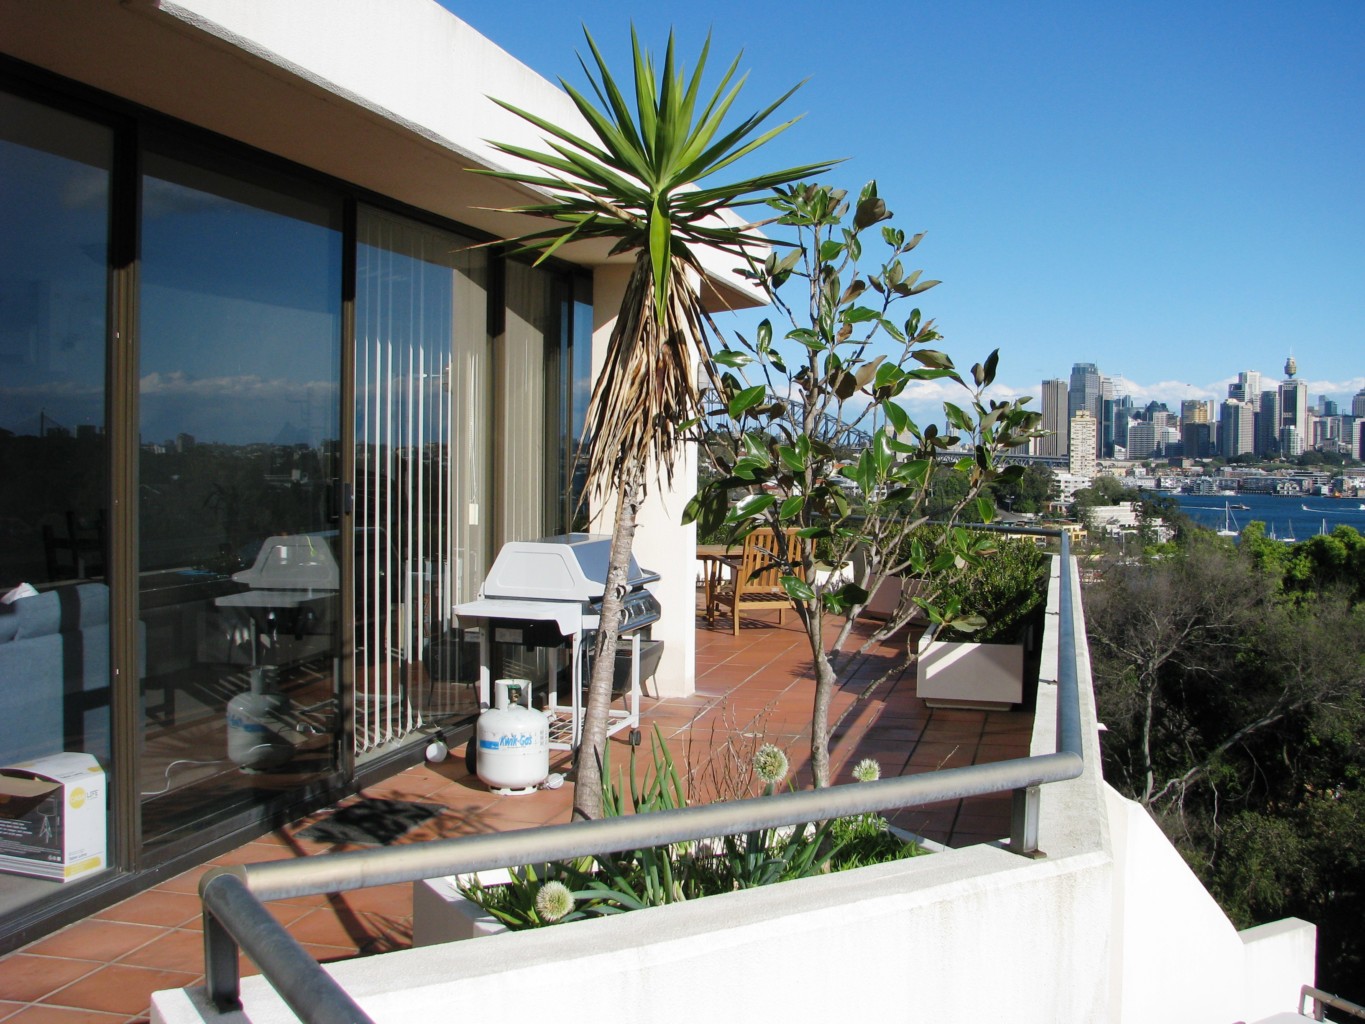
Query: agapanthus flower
[553,901]
[867,770]
[770,764]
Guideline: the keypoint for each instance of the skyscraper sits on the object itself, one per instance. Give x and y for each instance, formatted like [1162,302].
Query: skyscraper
[1087,392]
[1358,404]
[1055,419]
[1247,388]
[1198,411]
[1237,428]
[1293,410]
[1268,424]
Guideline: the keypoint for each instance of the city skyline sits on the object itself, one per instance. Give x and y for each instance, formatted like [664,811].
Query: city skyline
[1259,415]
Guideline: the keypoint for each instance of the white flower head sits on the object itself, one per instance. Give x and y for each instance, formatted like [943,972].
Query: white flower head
[867,770]
[553,901]
[770,764]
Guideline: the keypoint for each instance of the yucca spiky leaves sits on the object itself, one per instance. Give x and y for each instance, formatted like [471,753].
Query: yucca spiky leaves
[639,184]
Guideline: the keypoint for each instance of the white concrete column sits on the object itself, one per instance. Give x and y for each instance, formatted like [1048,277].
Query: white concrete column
[662,544]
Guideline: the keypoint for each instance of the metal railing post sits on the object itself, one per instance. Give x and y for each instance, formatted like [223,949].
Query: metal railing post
[222,975]
[308,990]
[1024,821]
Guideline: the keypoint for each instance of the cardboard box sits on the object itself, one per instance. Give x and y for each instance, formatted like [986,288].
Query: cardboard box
[52,817]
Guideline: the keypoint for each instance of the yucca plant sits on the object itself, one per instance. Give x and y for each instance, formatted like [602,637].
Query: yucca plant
[642,182]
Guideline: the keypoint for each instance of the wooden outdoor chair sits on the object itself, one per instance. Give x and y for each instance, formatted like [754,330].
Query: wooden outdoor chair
[755,583]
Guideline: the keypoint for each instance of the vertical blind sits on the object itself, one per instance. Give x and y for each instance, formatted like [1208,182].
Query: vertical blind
[422,462]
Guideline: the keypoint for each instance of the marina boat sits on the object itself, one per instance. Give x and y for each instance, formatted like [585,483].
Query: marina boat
[1229,523]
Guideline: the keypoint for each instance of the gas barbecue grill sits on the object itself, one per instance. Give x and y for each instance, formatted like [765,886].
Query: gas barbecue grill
[548,594]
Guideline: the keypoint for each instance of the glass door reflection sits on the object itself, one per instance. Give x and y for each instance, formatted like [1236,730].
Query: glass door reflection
[240,546]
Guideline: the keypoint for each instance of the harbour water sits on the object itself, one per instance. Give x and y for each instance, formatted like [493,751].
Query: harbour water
[1288,517]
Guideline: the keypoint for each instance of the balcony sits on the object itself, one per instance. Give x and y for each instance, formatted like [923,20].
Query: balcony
[1076,934]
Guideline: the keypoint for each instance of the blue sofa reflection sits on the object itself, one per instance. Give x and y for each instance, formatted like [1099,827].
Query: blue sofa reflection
[55,673]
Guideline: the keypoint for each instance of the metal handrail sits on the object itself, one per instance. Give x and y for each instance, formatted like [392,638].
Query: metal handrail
[235,918]
[1322,1001]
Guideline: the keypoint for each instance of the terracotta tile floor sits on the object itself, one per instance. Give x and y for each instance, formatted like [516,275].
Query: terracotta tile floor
[751,689]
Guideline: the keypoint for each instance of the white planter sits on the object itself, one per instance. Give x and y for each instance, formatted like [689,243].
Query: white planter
[953,674]
[441,914]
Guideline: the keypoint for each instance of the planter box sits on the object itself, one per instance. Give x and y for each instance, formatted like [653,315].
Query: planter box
[953,674]
[441,914]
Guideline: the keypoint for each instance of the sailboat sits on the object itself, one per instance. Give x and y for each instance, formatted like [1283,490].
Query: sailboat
[1229,523]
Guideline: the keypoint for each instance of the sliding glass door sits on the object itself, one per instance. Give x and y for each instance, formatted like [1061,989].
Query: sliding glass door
[240,535]
[55,678]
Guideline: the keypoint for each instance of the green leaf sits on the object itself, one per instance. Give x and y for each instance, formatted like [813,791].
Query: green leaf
[754,505]
[729,357]
[791,507]
[830,250]
[791,458]
[992,361]
[858,315]
[746,400]
[967,623]
[896,416]
[956,417]
[797,589]
[837,602]
[932,358]
[869,212]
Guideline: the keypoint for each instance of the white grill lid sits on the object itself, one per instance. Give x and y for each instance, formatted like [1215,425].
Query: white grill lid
[570,567]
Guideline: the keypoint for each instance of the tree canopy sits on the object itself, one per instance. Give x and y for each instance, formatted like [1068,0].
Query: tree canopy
[1231,680]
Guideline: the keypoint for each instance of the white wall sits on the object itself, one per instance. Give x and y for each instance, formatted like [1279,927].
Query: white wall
[662,543]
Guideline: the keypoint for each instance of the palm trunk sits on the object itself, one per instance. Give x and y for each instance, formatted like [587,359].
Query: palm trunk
[593,743]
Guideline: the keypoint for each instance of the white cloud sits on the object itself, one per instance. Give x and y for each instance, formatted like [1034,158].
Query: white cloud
[248,387]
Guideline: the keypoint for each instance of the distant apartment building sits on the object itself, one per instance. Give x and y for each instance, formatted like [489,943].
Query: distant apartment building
[1358,404]
[1142,439]
[1081,456]
[1054,419]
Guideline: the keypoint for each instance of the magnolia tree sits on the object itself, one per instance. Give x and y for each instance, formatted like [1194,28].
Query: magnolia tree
[813,437]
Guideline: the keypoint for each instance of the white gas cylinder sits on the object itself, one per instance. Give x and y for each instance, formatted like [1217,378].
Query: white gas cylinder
[257,732]
[513,745]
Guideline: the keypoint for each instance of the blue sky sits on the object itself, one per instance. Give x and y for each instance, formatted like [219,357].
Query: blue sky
[1173,191]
